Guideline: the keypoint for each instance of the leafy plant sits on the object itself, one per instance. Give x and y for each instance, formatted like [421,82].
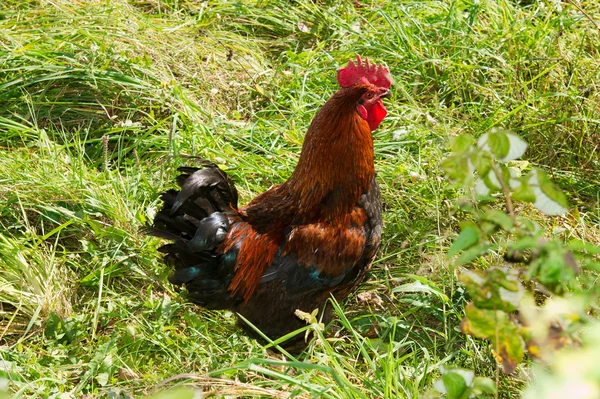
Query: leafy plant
[459,383]
[515,271]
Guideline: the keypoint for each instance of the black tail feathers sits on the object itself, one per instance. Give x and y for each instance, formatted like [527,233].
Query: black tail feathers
[196,219]
[204,191]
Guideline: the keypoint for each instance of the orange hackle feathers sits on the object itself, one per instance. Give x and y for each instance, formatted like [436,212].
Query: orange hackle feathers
[336,163]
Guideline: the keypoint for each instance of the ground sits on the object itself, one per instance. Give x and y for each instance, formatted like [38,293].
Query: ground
[101,101]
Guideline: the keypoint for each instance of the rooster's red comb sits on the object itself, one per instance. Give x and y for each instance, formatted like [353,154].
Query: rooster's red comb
[377,75]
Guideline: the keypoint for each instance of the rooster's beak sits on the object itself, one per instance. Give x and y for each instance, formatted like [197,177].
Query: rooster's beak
[385,94]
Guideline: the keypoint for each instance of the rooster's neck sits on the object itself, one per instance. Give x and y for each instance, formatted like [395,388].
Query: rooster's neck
[334,170]
[336,165]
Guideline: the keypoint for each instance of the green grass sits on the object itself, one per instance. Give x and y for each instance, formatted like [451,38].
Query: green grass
[101,101]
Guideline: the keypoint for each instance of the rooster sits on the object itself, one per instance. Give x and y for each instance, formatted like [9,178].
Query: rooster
[300,242]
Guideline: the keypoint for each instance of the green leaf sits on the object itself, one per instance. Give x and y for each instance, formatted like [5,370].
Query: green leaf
[578,245]
[548,198]
[102,379]
[554,266]
[517,147]
[485,385]
[468,236]
[494,288]
[456,167]
[455,385]
[482,161]
[461,143]
[495,143]
[471,253]
[524,193]
[592,266]
[62,330]
[495,326]
[505,146]
[452,385]
[500,218]
[506,279]
[488,228]
[491,183]
[480,323]
[498,143]
[525,242]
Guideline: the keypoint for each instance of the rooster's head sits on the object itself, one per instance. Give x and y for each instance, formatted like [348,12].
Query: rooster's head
[373,81]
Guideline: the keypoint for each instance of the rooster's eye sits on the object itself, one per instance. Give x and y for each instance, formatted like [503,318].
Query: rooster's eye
[369,95]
